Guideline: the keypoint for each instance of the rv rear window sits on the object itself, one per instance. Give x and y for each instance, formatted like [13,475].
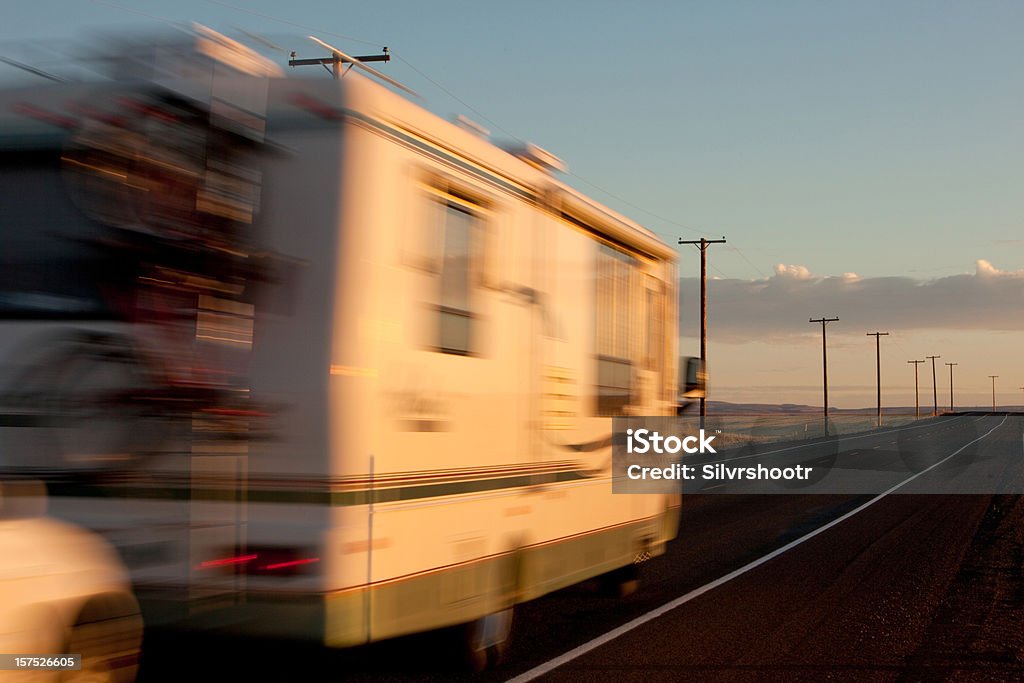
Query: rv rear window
[47,269]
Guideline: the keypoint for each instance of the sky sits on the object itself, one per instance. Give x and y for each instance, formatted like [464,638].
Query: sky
[863,159]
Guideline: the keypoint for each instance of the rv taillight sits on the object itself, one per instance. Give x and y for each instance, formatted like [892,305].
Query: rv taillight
[280,561]
[233,561]
[264,561]
[277,566]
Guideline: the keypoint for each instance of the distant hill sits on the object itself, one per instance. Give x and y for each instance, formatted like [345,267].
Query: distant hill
[727,408]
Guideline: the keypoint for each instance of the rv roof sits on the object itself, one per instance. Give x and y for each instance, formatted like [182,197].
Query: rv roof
[40,111]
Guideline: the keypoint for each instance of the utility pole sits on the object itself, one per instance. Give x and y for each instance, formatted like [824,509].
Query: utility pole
[338,58]
[878,372]
[824,365]
[935,393]
[917,401]
[993,378]
[703,245]
[951,385]
[334,62]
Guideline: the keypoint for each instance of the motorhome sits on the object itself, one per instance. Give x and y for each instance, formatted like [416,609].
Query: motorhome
[437,358]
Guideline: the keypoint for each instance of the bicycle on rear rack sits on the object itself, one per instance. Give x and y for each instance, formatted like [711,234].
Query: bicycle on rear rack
[175,195]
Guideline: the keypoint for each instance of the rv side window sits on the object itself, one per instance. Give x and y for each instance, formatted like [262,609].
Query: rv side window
[615,344]
[655,327]
[459,233]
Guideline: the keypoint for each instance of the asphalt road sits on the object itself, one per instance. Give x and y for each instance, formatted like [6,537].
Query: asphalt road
[765,587]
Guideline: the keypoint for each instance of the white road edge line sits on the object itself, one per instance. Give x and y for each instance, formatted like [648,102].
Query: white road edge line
[552,664]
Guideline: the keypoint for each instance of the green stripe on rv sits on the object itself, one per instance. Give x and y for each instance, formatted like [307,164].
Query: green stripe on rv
[311,497]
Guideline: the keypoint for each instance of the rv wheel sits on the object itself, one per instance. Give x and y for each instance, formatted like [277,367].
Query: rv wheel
[487,639]
[622,582]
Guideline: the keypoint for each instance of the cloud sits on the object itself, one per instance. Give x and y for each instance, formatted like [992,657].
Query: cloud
[792,272]
[985,269]
[780,305]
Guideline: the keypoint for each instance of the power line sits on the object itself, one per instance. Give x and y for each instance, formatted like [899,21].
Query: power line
[476,112]
[494,124]
[304,27]
[132,10]
[744,257]
[31,69]
[634,206]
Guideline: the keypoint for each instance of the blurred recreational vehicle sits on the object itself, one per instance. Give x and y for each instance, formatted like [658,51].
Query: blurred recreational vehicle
[318,362]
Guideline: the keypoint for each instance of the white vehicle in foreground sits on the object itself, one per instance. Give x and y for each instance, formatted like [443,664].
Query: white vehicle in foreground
[62,591]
